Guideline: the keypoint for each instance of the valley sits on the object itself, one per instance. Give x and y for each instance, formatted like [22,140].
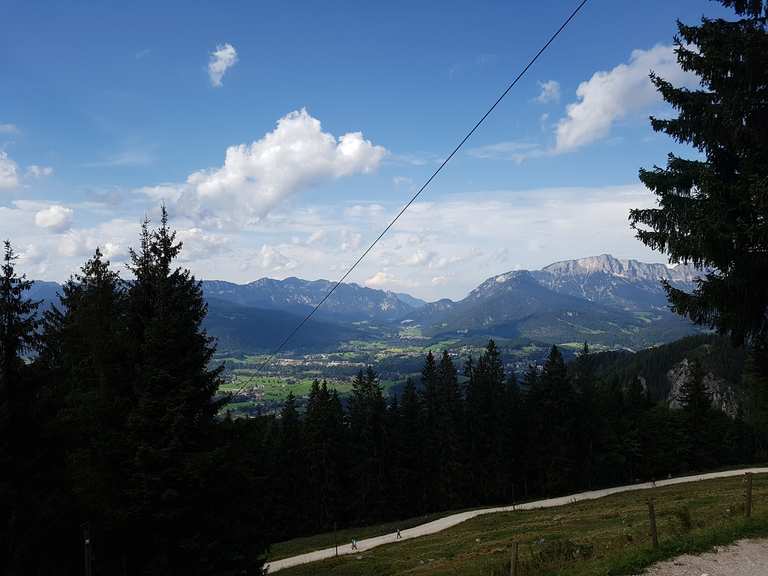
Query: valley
[609,303]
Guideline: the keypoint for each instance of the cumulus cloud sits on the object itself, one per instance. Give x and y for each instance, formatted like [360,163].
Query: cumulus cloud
[380,280]
[199,244]
[350,240]
[222,59]
[35,171]
[272,259]
[550,92]
[255,177]
[9,172]
[612,95]
[56,218]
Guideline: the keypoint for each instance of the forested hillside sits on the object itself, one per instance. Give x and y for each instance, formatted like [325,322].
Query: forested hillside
[464,436]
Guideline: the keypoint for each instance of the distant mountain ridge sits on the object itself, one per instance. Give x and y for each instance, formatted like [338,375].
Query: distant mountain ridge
[628,284]
[600,299]
[632,270]
[348,303]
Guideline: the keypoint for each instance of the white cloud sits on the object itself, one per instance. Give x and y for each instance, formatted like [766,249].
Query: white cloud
[316,236]
[8,129]
[35,171]
[612,95]
[9,172]
[199,245]
[56,218]
[381,280]
[255,177]
[350,240]
[112,237]
[272,259]
[550,92]
[222,59]
[368,211]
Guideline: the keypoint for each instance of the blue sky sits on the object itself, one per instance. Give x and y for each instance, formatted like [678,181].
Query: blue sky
[283,135]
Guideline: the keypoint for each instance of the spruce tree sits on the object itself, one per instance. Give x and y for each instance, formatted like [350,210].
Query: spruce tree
[696,403]
[412,487]
[367,417]
[172,428]
[712,210]
[84,352]
[18,338]
[559,434]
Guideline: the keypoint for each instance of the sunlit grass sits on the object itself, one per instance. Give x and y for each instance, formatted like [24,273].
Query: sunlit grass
[608,536]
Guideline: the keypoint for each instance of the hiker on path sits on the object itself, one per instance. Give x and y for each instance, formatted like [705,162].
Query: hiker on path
[399,536]
[354,544]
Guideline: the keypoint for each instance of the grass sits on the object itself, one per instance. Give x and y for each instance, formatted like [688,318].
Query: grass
[600,537]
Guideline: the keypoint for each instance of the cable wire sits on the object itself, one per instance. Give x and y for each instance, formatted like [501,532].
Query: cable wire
[458,147]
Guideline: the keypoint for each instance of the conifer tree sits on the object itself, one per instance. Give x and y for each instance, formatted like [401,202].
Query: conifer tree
[84,352]
[411,489]
[367,416]
[558,407]
[696,403]
[172,427]
[18,338]
[712,211]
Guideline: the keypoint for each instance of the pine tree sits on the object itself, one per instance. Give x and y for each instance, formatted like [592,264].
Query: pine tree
[433,408]
[587,413]
[411,488]
[18,338]
[84,352]
[367,417]
[485,424]
[696,404]
[172,429]
[324,445]
[712,211]
[559,434]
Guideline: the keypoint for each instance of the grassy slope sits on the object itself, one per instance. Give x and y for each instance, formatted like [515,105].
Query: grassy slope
[615,529]
[328,540]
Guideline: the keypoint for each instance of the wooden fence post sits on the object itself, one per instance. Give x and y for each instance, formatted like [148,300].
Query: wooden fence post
[748,495]
[513,560]
[335,539]
[652,518]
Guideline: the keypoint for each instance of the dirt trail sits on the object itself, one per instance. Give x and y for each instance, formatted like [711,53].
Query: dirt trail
[743,558]
[454,519]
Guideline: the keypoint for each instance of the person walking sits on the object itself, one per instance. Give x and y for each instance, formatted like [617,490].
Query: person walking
[399,536]
[354,544]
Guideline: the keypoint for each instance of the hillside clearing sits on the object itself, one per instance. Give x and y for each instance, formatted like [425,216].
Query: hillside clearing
[605,536]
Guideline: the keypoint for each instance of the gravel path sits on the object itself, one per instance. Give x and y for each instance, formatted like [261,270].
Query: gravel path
[744,558]
[454,519]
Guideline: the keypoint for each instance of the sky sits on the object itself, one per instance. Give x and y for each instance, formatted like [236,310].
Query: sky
[283,136]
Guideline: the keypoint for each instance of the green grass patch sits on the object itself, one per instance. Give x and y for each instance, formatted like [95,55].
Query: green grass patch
[609,536]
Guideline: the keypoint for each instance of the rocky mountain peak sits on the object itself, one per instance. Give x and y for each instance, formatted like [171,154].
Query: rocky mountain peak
[632,270]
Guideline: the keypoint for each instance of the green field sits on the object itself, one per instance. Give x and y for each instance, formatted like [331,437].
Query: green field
[267,386]
[607,536]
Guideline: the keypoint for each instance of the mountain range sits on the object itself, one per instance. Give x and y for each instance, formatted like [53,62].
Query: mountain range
[601,299]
